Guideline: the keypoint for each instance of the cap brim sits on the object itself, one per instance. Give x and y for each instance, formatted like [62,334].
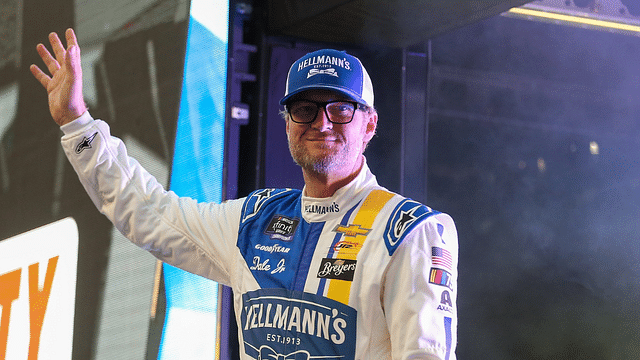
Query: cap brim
[346,92]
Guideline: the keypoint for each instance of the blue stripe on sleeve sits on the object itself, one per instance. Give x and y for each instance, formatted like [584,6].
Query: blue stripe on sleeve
[307,255]
[449,338]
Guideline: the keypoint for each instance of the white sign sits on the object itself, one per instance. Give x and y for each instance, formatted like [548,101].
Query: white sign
[37,292]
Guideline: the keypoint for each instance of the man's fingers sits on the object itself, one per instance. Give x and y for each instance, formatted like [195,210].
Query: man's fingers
[71,38]
[40,75]
[48,60]
[72,62]
[73,53]
[57,47]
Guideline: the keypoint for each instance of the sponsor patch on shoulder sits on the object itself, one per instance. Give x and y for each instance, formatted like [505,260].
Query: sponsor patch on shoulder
[254,203]
[405,216]
[440,277]
[441,257]
[282,228]
[341,269]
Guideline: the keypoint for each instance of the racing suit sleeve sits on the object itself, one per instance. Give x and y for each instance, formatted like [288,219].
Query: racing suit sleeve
[195,237]
[419,293]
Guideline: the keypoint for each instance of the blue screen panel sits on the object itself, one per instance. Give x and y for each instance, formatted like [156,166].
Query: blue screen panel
[190,329]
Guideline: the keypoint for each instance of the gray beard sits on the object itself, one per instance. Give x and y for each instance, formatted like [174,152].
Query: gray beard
[319,165]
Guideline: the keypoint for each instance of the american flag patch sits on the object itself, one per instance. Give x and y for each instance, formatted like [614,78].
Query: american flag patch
[441,257]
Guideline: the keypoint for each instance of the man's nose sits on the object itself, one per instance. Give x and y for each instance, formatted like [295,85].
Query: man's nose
[321,122]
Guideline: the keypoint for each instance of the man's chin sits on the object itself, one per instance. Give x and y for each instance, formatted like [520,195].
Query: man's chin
[319,159]
[319,164]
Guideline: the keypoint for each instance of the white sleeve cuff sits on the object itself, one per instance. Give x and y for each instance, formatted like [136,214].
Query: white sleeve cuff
[78,124]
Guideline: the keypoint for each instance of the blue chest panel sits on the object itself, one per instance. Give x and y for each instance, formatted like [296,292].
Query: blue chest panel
[275,241]
[283,324]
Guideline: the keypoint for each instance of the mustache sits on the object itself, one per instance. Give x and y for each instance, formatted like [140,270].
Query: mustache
[317,134]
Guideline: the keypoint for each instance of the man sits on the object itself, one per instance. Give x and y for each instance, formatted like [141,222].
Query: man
[343,269]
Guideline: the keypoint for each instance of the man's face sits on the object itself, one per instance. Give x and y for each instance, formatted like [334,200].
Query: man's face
[327,148]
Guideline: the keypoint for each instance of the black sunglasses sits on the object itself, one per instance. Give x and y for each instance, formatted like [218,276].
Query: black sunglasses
[337,111]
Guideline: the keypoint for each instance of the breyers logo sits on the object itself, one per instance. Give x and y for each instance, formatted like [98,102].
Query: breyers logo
[37,292]
[341,269]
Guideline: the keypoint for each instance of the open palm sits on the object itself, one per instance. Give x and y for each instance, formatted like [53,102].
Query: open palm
[64,86]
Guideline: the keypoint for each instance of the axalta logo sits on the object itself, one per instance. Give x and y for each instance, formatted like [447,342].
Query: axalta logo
[446,304]
[278,323]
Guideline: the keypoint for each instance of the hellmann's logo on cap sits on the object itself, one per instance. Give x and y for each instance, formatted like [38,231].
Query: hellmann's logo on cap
[325,60]
[329,71]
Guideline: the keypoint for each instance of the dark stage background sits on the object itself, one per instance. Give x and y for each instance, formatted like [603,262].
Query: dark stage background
[534,148]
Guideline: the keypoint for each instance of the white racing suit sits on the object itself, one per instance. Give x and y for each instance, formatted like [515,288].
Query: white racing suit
[364,274]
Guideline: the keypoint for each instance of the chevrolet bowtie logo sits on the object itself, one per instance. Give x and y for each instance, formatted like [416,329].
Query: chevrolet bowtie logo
[352,230]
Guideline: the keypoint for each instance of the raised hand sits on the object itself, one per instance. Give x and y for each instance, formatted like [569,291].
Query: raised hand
[64,86]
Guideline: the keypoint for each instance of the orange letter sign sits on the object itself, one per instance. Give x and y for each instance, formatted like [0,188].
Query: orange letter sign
[10,285]
[38,300]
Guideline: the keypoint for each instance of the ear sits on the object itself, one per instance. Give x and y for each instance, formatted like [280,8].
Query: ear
[286,122]
[370,127]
